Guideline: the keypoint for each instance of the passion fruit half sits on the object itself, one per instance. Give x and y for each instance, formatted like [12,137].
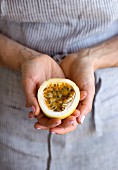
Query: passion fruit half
[58,98]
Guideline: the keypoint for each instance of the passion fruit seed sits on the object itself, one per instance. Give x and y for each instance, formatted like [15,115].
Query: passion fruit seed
[58,96]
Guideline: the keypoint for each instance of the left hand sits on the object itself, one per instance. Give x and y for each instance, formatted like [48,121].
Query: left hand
[79,67]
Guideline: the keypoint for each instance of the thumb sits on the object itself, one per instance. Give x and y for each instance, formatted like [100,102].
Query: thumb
[87,87]
[30,90]
[85,105]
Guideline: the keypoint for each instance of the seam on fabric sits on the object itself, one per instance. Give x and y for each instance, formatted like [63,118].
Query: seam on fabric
[49,151]
[97,121]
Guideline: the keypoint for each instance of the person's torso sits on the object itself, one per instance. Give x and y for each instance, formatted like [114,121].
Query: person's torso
[59,26]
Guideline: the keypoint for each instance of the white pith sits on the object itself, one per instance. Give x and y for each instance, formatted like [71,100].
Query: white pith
[69,108]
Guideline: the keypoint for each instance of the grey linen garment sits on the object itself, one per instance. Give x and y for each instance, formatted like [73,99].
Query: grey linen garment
[59,27]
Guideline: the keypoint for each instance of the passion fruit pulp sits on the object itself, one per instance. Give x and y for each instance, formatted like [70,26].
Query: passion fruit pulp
[58,98]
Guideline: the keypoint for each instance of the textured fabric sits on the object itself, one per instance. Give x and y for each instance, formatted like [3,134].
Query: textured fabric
[16,130]
[65,25]
[84,149]
[59,27]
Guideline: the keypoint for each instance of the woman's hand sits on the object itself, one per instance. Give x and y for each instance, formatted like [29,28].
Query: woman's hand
[79,68]
[34,72]
[36,68]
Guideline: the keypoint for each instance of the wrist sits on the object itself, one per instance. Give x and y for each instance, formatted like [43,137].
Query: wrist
[87,56]
[91,56]
[13,54]
[104,55]
[27,54]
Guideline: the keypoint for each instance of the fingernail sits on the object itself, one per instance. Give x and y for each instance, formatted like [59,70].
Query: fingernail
[30,116]
[33,109]
[82,119]
[71,122]
[38,128]
[53,132]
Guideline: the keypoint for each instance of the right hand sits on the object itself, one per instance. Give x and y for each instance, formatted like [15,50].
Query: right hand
[34,72]
[80,68]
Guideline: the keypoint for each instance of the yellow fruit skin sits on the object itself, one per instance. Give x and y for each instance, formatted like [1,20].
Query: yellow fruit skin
[73,107]
[63,116]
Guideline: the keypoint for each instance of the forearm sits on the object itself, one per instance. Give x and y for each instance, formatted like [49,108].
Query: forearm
[13,54]
[104,55]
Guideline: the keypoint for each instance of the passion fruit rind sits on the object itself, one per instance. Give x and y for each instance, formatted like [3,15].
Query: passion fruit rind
[58,98]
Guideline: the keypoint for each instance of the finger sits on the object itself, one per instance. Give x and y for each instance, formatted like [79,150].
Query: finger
[31,115]
[53,123]
[68,121]
[83,94]
[31,93]
[69,124]
[86,105]
[49,123]
[40,115]
[40,127]
[63,130]
[76,113]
